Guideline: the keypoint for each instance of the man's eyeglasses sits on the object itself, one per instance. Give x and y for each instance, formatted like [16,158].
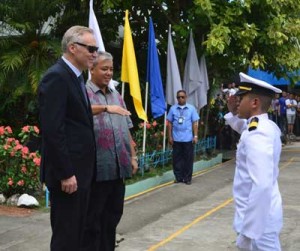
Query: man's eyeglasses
[90,48]
[182,97]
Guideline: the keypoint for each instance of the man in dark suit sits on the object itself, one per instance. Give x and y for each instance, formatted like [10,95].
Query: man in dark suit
[68,145]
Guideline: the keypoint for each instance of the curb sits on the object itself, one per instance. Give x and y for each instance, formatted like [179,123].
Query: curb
[151,183]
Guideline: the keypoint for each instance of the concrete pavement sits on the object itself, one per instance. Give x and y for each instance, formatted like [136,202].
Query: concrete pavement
[199,217]
[176,217]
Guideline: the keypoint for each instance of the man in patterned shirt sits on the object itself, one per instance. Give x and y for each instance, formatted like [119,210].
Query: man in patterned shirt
[116,157]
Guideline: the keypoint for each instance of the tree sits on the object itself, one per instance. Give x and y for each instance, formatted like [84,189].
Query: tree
[26,50]
[262,33]
[233,34]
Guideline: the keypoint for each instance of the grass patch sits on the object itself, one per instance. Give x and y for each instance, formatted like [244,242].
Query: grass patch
[42,200]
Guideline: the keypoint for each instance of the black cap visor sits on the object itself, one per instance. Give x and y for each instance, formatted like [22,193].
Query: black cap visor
[241,92]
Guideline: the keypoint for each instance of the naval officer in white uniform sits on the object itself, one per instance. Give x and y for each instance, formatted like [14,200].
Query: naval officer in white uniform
[258,205]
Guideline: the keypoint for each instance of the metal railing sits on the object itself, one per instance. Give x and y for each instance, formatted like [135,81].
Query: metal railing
[161,158]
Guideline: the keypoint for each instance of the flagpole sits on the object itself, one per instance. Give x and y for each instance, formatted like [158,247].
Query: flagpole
[123,90]
[165,132]
[145,122]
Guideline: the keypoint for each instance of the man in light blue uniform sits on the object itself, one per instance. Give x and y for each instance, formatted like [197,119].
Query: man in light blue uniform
[183,133]
[258,205]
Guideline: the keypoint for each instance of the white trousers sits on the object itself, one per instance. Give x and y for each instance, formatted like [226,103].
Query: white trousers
[268,242]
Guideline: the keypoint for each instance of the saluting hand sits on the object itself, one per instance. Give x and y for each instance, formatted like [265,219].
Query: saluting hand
[232,104]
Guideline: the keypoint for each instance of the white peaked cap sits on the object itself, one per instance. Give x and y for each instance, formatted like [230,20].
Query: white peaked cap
[250,84]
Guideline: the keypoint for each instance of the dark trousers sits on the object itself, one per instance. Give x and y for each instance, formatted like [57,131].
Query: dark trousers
[104,214]
[67,216]
[282,123]
[183,160]
[297,125]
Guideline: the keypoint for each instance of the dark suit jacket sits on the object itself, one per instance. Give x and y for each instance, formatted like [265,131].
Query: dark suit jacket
[68,143]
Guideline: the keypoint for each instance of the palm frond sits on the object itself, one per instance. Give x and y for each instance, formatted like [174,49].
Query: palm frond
[11,62]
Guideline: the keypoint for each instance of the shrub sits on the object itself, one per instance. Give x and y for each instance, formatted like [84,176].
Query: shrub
[154,136]
[19,167]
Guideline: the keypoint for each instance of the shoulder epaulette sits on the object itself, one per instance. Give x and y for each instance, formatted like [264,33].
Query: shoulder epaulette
[253,124]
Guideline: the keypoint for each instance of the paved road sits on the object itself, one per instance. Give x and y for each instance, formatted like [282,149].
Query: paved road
[199,217]
[177,217]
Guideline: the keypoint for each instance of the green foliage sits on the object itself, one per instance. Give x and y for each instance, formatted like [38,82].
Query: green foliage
[19,168]
[218,38]
[233,35]
[262,33]
[26,51]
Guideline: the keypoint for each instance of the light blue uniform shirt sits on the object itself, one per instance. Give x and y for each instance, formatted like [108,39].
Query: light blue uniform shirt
[182,132]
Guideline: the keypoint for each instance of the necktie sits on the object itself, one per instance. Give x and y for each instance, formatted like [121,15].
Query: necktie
[82,86]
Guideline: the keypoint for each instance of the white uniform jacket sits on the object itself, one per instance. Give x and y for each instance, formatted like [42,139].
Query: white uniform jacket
[258,205]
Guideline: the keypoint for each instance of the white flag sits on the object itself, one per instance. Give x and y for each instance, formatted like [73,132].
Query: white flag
[93,24]
[205,83]
[173,77]
[192,77]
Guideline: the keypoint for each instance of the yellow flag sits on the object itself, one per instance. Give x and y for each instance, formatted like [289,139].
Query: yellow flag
[129,72]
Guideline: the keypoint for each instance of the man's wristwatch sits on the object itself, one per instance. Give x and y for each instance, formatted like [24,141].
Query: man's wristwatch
[105,109]
[195,136]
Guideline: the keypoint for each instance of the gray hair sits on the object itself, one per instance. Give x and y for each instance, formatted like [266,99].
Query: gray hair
[73,35]
[104,55]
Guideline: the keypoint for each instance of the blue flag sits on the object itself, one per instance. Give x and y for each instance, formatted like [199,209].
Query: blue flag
[158,103]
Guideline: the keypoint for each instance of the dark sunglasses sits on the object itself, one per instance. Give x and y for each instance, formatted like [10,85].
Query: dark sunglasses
[182,97]
[90,48]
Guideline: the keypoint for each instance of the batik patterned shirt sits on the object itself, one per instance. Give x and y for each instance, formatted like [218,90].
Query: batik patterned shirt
[112,136]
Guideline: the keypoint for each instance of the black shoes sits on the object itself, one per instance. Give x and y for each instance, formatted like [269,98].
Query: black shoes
[178,181]
[182,181]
